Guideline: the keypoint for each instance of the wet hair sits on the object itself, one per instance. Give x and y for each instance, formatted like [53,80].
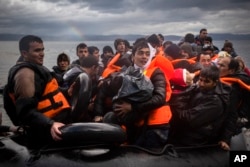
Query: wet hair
[139,45]
[63,57]
[88,61]
[24,43]
[210,72]
[92,49]
[81,46]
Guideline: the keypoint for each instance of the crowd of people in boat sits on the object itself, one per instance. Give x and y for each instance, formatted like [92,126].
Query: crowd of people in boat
[189,93]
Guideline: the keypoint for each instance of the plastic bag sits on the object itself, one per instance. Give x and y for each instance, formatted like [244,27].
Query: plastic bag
[135,87]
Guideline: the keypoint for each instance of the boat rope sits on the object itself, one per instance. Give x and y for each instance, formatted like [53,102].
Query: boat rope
[196,147]
[167,149]
[170,149]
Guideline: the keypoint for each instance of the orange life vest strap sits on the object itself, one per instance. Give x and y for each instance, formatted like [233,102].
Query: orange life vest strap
[52,101]
[191,61]
[111,67]
[228,80]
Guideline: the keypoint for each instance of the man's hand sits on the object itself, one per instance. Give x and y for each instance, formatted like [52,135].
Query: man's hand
[224,145]
[71,88]
[98,119]
[55,132]
[122,108]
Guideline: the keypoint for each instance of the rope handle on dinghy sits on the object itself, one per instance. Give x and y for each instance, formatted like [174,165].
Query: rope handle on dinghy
[167,149]
[196,147]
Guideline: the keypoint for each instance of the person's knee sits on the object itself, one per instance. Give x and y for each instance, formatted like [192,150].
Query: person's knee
[154,138]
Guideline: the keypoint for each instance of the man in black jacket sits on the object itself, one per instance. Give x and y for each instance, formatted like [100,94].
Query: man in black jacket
[240,82]
[202,112]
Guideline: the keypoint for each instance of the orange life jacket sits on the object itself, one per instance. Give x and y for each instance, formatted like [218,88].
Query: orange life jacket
[161,48]
[52,101]
[163,114]
[166,66]
[214,57]
[230,81]
[111,67]
[191,61]
[193,58]
[160,52]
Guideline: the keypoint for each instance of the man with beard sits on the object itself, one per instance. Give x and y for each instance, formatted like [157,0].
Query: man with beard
[231,74]
[201,112]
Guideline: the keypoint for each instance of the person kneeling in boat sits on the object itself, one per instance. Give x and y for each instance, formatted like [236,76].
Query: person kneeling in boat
[32,97]
[146,122]
[82,76]
[201,112]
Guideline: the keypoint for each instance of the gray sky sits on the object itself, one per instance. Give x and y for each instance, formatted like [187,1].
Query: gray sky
[106,17]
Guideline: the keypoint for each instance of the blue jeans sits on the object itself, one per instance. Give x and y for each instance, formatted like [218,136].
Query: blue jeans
[153,137]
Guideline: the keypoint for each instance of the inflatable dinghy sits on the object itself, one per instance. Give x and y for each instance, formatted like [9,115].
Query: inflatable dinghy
[100,144]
